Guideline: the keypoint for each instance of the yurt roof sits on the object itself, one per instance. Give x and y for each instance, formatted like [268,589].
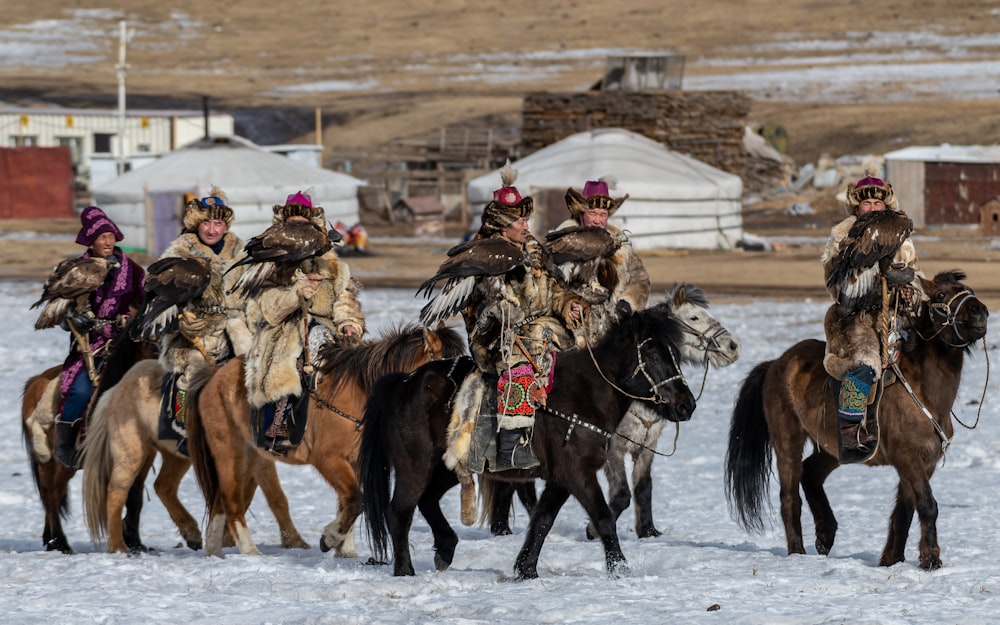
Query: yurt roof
[642,167]
[244,171]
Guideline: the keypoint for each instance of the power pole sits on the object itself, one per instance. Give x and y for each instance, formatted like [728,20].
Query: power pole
[121,69]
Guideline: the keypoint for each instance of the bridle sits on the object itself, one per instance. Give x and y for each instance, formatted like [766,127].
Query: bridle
[707,343]
[640,367]
[949,317]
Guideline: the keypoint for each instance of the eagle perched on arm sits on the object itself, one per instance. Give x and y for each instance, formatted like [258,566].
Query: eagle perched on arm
[276,253]
[865,254]
[68,289]
[171,284]
[491,257]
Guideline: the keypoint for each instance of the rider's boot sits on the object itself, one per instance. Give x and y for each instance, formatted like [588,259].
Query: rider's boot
[514,450]
[66,435]
[852,405]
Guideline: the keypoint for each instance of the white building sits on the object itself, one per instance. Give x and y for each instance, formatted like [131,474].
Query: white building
[90,132]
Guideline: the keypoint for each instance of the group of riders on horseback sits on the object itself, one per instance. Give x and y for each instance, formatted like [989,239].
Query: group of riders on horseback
[522,300]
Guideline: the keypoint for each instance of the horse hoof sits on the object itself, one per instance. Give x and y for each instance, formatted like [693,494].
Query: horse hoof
[650,532]
[59,544]
[591,533]
[932,563]
[194,545]
[440,564]
[500,529]
[325,546]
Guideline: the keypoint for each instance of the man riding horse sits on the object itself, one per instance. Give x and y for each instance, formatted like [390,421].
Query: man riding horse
[871,271]
[305,285]
[516,314]
[212,327]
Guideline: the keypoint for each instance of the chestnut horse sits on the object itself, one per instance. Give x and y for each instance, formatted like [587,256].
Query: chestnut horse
[225,455]
[784,402]
[407,419]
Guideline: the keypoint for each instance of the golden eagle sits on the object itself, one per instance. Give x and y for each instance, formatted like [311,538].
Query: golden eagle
[276,253]
[577,252]
[171,284]
[68,289]
[491,257]
[864,255]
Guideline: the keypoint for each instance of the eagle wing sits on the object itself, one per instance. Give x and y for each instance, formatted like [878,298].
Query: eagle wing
[277,252]
[171,284]
[466,263]
[871,243]
[581,244]
[68,288]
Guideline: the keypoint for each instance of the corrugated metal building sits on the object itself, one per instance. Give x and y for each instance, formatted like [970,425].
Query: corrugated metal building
[946,184]
[36,183]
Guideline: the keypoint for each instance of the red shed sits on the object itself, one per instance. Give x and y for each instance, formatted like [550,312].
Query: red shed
[36,183]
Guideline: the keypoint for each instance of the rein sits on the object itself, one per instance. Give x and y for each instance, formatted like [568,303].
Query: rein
[575,421]
[708,342]
[640,367]
[358,423]
[950,317]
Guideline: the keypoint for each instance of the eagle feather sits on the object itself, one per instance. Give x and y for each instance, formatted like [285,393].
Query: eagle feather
[866,251]
[68,289]
[275,254]
[171,285]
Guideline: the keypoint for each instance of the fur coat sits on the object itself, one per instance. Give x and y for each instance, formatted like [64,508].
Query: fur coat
[225,333]
[624,278]
[527,302]
[281,330]
[854,340]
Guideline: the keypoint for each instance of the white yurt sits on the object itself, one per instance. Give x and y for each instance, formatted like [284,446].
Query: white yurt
[147,202]
[674,201]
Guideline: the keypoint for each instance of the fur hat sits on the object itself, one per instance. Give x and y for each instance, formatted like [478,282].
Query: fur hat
[868,188]
[94,224]
[596,195]
[213,206]
[300,204]
[507,206]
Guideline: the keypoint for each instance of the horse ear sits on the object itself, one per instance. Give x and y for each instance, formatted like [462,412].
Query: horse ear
[432,342]
[678,294]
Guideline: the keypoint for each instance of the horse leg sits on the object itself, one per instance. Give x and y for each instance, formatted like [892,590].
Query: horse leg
[788,453]
[339,533]
[503,501]
[445,538]
[231,504]
[53,490]
[544,515]
[642,484]
[265,473]
[133,512]
[815,469]
[527,494]
[125,484]
[166,485]
[619,495]
[913,494]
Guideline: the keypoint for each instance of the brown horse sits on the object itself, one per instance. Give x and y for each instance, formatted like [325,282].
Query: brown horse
[39,406]
[783,402]
[223,449]
[122,443]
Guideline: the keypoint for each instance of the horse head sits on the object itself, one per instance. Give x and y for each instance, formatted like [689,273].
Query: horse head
[953,313]
[656,375]
[705,339]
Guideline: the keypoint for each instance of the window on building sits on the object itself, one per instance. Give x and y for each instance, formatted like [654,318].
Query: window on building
[102,142]
[75,145]
[23,141]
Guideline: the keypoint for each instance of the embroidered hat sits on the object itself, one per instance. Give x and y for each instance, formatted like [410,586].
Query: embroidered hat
[212,206]
[596,194]
[94,224]
[870,187]
[507,206]
[300,204]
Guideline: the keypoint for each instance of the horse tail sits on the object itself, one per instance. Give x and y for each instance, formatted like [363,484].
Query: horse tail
[748,456]
[201,454]
[374,462]
[97,466]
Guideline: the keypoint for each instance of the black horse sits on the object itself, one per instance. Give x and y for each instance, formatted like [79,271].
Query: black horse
[407,417]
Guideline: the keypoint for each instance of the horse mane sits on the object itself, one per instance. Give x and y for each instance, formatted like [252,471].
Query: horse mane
[691,293]
[951,275]
[394,350]
[660,325]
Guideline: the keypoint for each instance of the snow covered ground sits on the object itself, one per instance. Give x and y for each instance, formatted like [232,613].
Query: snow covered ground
[703,558]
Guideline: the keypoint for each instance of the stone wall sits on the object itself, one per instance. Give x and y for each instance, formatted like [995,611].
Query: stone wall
[706,125]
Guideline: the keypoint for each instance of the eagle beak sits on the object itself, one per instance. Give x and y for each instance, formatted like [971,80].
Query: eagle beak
[336,239]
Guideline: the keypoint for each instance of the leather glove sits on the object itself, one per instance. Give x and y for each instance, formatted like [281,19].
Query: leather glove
[896,275]
[190,324]
[82,321]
